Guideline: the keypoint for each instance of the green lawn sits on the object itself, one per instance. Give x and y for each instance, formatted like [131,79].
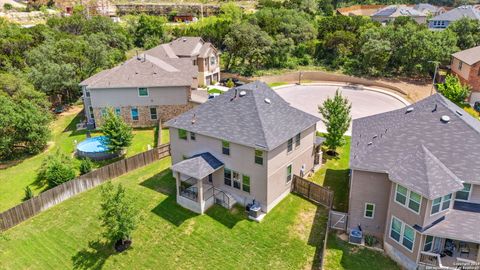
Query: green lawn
[215,91]
[168,237]
[334,174]
[274,84]
[343,256]
[15,178]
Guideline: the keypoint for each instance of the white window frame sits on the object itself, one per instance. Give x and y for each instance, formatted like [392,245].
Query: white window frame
[288,143]
[442,201]
[298,140]
[138,91]
[425,243]
[469,192]
[156,113]
[402,232]
[407,200]
[288,181]
[365,211]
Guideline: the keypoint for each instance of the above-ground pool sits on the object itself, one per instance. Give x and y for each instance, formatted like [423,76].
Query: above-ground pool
[95,148]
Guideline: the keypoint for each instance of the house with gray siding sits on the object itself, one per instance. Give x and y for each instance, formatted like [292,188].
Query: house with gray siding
[240,147]
[415,184]
[443,20]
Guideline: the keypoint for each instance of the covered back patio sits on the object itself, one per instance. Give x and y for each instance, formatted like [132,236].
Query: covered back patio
[195,190]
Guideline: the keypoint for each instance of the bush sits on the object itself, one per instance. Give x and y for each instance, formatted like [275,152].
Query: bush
[453,89]
[230,83]
[370,240]
[56,169]
[85,166]
[28,193]
[7,6]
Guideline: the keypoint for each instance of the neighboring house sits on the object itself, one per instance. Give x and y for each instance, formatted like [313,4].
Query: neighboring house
[443,20]
[202,54]
[466,65]
[429,9]
[390,13]
[142,90]
[415,183]
[243,145]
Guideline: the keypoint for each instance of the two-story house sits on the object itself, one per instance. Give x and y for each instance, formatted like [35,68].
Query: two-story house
[243,145]
[415,183]
[443,20]
[466,65]
[142,90]
[202,54]
[390,13]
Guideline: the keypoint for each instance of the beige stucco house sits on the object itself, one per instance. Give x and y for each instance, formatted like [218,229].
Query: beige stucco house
[466,65]
[415,184]
[241,146]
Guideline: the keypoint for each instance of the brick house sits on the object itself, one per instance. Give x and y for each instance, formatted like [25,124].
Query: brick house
[466,65]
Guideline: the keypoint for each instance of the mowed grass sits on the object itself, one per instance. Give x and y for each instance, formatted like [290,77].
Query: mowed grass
[334,174]
[22,173]
[343,256]
[168,236]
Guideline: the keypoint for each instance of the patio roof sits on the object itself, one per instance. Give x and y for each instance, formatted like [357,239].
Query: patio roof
[198,166]
[319,140]
[457,225]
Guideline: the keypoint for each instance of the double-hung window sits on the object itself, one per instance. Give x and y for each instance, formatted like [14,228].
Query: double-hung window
[227,177]
[289,173]
[460,64]
[226,148]
[153,113]
[236,179]
[143,92]
[297,140]
[441,204]
[290,145]
[464,194]
[408,198]
[182,134]
[402,233]
[118,111]
[246,183]
[259,157]
[428,243]
[134,113]
[369,210]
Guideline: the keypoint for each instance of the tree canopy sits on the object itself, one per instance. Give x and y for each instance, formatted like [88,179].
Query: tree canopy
[119,134]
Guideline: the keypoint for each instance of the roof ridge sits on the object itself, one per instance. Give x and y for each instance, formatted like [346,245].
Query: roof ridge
[260,116]
[448,105]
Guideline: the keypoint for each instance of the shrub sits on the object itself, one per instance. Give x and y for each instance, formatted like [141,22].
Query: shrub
[119,134]
[370,240]
[453,89]
[230,83]
[28,193]
[85,166]
[56,169]
[7,6]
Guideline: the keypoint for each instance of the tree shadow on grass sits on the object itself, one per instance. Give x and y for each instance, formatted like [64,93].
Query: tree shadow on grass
[229,218]
[317,235]
[338,180]
[93,257]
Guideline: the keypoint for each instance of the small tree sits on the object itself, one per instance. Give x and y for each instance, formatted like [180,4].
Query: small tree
[453,89]
[85,166]
[336,116]
[230,83]
[56,169]
[119,217]
[119,134]
[28,193]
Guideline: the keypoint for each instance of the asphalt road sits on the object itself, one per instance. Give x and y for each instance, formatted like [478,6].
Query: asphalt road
[364,102]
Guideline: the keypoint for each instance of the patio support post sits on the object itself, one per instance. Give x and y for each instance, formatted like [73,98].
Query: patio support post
[200,190]
[178,184]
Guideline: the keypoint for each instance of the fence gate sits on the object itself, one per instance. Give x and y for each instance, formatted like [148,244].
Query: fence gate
[338,220]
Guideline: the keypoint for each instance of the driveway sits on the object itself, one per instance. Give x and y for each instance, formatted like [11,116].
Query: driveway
[364,102]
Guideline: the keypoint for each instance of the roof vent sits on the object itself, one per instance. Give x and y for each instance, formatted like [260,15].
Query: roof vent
[409,110]
[445,118]
[369,143]
[194,119]
[184,39]
[242,93]
[267,100]
[459,113]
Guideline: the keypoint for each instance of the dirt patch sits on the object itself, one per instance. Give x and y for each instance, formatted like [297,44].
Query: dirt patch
[303,224]
[190,227]
[415,89]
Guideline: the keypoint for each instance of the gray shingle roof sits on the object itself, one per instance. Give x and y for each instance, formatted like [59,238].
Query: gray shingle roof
[199,166]
[398,10]
[458,13]
[459,225]
[469,56]
[423,173]
[148,71]
[187,46]
[380,142]
[425,7]
[260,118]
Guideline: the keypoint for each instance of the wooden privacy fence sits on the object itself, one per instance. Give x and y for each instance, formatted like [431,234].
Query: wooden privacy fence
[312,191]
[60,193]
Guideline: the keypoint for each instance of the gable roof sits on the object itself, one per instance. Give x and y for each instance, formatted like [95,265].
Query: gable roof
[425,7]
[145,71]
[398,10]
[199,166]
[259,119]
[382,143]
[469,56]
[187,46]
[458,13]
